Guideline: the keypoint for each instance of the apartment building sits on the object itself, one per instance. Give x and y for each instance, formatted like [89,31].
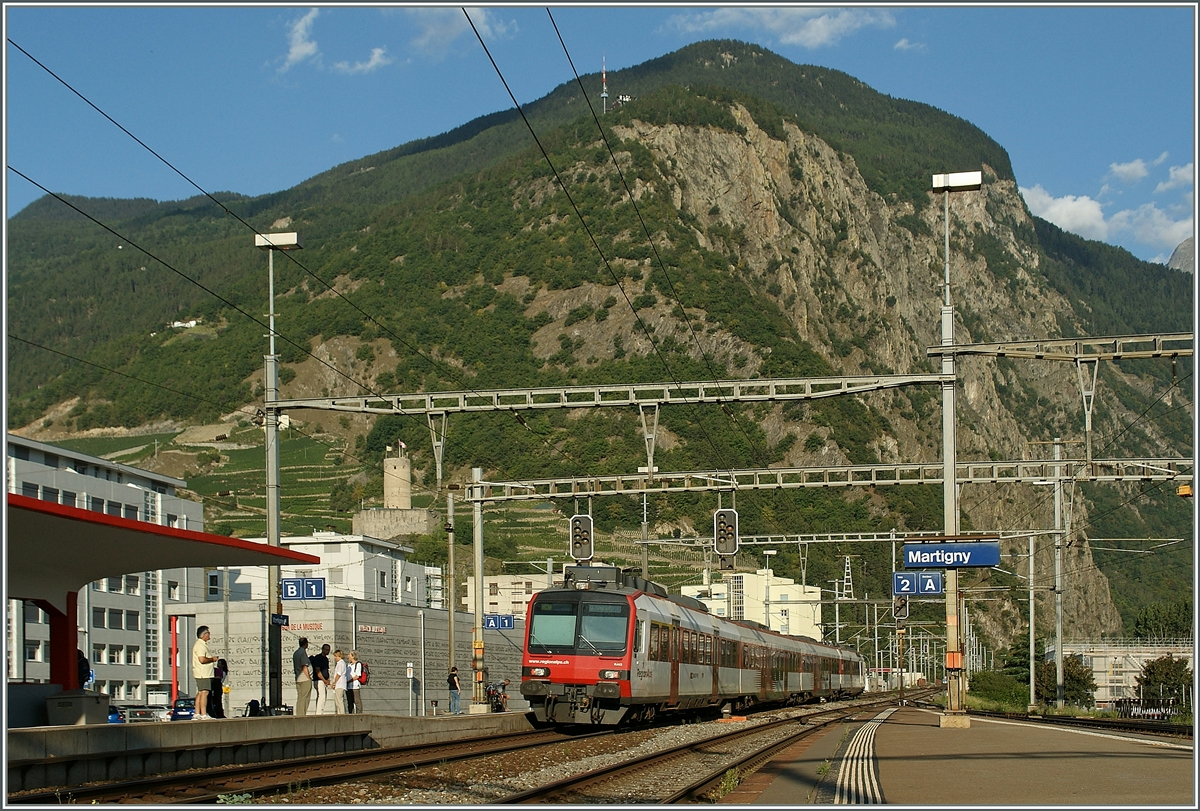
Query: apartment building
[120,618]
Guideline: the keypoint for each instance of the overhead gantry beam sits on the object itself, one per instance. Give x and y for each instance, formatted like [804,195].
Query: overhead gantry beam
[648,397]
[637,394]
[1085,353]
[1028,472]
[1121,347]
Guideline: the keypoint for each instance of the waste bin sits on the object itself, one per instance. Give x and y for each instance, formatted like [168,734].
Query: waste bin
[73,707]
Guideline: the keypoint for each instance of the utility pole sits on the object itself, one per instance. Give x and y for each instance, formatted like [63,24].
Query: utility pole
[1058,585]
[479,703]
[954,716]
[452,597]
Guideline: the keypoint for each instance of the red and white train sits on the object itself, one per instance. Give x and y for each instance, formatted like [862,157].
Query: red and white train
[608,648]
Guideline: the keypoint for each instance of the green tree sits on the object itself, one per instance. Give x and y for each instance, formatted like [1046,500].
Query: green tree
[1164,621]
[1079,688]
[1165,677]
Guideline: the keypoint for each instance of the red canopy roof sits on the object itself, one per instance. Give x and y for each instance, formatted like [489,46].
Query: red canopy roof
[53,550]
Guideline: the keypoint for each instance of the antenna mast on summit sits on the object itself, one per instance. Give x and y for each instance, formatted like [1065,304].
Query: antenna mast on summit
[603,86]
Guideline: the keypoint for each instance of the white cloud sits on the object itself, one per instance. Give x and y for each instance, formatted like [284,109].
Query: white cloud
[905,45]
[441,26]
[378,59]
[806,27]
[1153,226]
[1079,215]
[1148,224]
[300,45]
[1160,159]
[1179,176]
[1130,172]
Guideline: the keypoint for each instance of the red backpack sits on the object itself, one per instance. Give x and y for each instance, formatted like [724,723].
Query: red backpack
[364,675]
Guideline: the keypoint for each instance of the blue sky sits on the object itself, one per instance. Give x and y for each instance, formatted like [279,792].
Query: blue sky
[1095,105]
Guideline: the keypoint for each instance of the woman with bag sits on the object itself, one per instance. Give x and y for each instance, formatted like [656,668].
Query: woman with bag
[353,687]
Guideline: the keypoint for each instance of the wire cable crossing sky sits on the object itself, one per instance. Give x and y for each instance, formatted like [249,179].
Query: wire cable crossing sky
[1095,105]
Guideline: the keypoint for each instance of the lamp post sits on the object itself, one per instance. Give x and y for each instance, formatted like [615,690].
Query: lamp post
[272,243]
[767,590]
[946,183]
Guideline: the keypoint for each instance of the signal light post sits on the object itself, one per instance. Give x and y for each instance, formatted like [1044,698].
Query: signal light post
[581,537]
[725,532]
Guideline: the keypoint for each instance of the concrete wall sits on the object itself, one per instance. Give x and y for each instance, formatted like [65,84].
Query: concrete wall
[382,523]
[387,637]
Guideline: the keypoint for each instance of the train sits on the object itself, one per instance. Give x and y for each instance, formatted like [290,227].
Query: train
[608,648]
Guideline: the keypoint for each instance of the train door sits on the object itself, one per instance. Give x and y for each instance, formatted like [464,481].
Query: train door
[764,672]
[713,649]
[675,646]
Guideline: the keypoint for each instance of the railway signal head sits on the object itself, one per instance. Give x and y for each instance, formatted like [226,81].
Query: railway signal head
[725,532]
[581,537]
[900,609]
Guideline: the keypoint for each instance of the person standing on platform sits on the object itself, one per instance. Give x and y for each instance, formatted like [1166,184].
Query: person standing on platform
[320,675]
[203,664]
[353,688]
[303,671]
[455,687]
[338,682]
[216,698]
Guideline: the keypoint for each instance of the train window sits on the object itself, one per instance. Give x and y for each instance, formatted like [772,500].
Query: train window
[638,636]
[654,626]
[687,648]
[674,643]
[552,629]
[708,650]
[603,627]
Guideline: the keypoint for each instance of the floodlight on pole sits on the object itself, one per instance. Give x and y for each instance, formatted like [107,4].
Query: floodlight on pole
[946,183]
[272,243]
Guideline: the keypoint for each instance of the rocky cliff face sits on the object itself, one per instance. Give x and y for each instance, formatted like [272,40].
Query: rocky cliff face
[861,279]
[1184,256]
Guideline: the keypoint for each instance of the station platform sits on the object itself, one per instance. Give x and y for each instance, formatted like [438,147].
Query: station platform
[52,756]
[903,757]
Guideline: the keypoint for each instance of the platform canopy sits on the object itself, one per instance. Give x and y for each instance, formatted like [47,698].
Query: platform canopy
[53,550]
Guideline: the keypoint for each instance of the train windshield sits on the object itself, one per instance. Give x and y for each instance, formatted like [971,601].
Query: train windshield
[567,624]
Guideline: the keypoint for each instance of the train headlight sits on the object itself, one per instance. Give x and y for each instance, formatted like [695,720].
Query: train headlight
[537,672]
[610,674]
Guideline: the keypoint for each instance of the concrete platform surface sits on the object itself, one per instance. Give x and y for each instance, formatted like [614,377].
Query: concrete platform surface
[996,763]
[1005,763]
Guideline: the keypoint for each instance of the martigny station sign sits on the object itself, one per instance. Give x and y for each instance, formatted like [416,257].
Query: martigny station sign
[952,555]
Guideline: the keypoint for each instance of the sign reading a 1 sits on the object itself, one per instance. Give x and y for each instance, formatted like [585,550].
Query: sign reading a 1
[904,583]
[499,622]
[302,588]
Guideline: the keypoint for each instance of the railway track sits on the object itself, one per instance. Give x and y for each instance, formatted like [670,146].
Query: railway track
[201,786]
[690,772]
[1110,724]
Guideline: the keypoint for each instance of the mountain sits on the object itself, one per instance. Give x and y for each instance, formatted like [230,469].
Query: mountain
[766,220]
[1184,256]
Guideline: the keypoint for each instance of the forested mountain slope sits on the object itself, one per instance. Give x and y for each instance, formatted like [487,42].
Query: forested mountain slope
[761,219]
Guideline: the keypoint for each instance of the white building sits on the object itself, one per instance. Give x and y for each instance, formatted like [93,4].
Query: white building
[794,609]
[508,594]
[121,619]
[354,566]
[1116,663]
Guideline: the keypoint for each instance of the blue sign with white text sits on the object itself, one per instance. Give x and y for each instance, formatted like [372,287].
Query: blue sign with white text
[904,583]
[302,588]
[499,622]
[952,555]
[929,582]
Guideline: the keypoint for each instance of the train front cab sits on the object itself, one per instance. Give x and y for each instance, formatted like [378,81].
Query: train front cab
[578,654]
